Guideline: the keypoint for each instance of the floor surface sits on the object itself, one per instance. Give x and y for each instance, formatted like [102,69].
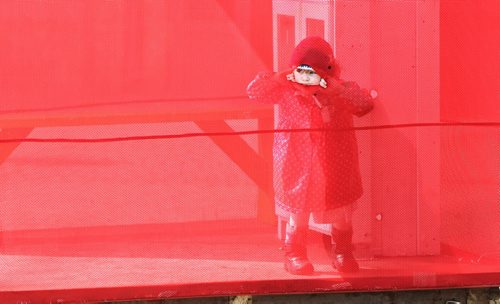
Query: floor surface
[199,259]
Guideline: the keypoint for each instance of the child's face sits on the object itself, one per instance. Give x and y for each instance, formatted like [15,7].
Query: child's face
[306,76]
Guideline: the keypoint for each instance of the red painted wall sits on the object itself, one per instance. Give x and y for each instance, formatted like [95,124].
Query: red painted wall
[69,53]
[61,54]
[470,86]
[394,151]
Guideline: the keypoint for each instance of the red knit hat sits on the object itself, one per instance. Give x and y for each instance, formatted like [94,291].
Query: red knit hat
[316,53]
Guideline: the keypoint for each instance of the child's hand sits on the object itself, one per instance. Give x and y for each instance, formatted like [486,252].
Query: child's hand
[323,83]
[290,77]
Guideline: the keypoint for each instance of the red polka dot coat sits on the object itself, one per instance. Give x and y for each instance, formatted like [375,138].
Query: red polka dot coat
[318,170]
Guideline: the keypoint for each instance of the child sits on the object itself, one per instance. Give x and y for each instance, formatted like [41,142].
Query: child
[315,172]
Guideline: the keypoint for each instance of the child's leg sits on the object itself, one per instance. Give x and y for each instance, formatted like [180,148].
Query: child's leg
[343,258]
[296,261]
[299,220]
[342,218]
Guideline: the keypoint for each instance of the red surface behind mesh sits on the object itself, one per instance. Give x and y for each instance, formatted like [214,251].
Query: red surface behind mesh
[133,164]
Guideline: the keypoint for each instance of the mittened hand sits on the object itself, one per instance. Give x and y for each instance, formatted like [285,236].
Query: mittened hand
[290,77]
[323,83]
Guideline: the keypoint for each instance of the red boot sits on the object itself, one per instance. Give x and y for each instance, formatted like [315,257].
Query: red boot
[343,258]
[296,261]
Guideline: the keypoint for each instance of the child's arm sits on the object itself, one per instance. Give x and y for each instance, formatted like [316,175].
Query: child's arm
[354,99]
[267,87]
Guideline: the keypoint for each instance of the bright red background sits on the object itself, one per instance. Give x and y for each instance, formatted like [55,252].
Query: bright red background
[436,188]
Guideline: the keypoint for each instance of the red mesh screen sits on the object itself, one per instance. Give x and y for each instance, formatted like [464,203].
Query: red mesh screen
[163,148]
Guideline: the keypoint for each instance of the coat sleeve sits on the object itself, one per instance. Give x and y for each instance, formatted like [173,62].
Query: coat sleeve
[354,99]
[267,88]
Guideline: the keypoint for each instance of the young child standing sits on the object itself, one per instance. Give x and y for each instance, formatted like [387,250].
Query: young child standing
[315,171]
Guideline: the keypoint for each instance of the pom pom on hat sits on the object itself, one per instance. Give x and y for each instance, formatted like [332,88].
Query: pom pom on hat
[316,53]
